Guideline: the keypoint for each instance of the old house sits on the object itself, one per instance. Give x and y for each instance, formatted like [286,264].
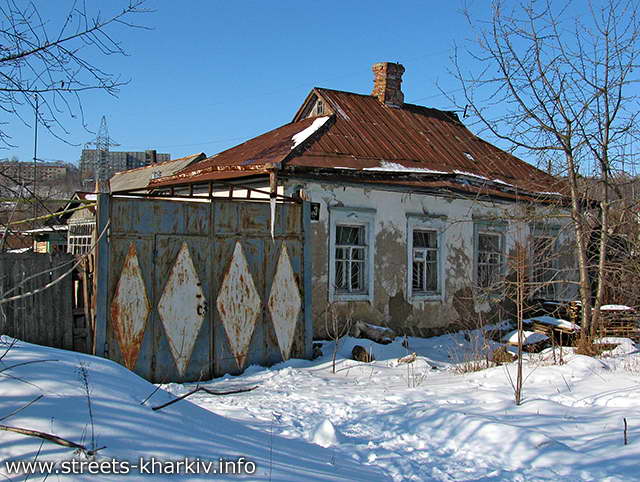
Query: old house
[413,216]
[80,222]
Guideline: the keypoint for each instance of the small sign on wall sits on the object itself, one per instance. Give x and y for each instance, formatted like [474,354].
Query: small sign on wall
[315,211]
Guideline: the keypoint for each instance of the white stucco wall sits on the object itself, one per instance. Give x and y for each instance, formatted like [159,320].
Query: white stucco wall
[389,303]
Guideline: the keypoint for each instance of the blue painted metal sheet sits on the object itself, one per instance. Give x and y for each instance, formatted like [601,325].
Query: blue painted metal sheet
[206,271]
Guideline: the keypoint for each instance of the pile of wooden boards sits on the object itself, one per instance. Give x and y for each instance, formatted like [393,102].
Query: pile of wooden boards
[619,323]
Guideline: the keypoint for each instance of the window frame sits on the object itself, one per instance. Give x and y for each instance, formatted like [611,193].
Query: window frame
[435,224]
[552,232]
[78,244]
[354,217]
[494,228]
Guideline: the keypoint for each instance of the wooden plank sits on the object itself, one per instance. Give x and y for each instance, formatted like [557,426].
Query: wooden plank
[85,305]
[46,317]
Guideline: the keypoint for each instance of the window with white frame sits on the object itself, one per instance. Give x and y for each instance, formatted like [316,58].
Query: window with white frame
[425,262]
[350,254]
[425,256]
[80,237]
[351,251]
[489,258]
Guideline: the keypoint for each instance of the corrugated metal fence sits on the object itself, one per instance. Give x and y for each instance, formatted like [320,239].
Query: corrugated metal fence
[44,318]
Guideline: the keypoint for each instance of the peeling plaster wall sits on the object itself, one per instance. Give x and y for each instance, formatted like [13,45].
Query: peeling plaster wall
[390,305]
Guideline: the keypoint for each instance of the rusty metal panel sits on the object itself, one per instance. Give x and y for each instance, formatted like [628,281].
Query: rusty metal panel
[284,303]
[130,301]
[130,308]
[152,345]
[277,332]
[248,276]
[158,216]
[254,218]
[213,297]
[182,328]
[145,216]
[239,304]
[182,308]
[290,219]
[225,215]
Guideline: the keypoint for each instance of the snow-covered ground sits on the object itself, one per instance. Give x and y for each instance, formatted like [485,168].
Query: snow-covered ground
[377,421]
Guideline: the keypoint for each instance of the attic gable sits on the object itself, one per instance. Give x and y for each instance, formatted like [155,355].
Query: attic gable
[315,105]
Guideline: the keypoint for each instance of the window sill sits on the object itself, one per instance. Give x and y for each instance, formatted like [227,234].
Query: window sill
[426,297]
[351,297]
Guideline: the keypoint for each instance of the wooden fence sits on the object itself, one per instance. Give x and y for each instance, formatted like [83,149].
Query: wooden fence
[47,317]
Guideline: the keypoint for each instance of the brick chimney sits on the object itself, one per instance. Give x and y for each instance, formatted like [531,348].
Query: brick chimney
[386,83]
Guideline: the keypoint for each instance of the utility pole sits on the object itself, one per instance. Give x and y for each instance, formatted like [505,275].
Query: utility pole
[35,159]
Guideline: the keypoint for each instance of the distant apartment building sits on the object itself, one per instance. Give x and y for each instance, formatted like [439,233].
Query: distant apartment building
[117,161]
[24,171]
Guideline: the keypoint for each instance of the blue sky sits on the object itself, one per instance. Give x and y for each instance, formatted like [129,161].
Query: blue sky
[211,74]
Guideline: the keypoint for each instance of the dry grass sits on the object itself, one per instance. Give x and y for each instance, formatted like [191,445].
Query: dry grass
[473,355]
[631,364]
[586,346]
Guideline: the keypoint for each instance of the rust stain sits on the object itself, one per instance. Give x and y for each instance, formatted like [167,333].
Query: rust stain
[284,303]
[130,309]
[181,308]
[239,305]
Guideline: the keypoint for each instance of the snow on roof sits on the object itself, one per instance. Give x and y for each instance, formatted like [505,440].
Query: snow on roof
[302,136]
[47,229]
[616,308]
[550,320]
[19,250]
[469,174]
[395,167]
[528,337]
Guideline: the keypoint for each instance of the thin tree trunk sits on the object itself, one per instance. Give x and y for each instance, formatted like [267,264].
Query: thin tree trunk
[581,245]
[602,262]
[520,274]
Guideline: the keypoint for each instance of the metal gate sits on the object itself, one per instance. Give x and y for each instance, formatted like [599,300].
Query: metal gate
[199,289]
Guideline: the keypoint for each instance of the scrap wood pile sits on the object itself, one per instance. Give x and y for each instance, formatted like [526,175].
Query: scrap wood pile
[619,321]
[557,329]
[616,320]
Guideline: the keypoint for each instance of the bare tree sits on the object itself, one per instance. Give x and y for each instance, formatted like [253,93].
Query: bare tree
[557,86]
[50,56]
[336,327]
[52,61]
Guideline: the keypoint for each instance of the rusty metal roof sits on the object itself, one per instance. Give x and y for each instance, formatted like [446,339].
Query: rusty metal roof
[363,134]
[368,134]
[254,157]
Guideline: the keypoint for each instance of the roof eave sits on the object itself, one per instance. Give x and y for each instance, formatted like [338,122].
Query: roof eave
[360,176]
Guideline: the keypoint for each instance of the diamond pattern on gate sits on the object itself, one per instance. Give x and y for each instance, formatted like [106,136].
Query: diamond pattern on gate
[239,305]
[130,309]
[182,308]
[284,303]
